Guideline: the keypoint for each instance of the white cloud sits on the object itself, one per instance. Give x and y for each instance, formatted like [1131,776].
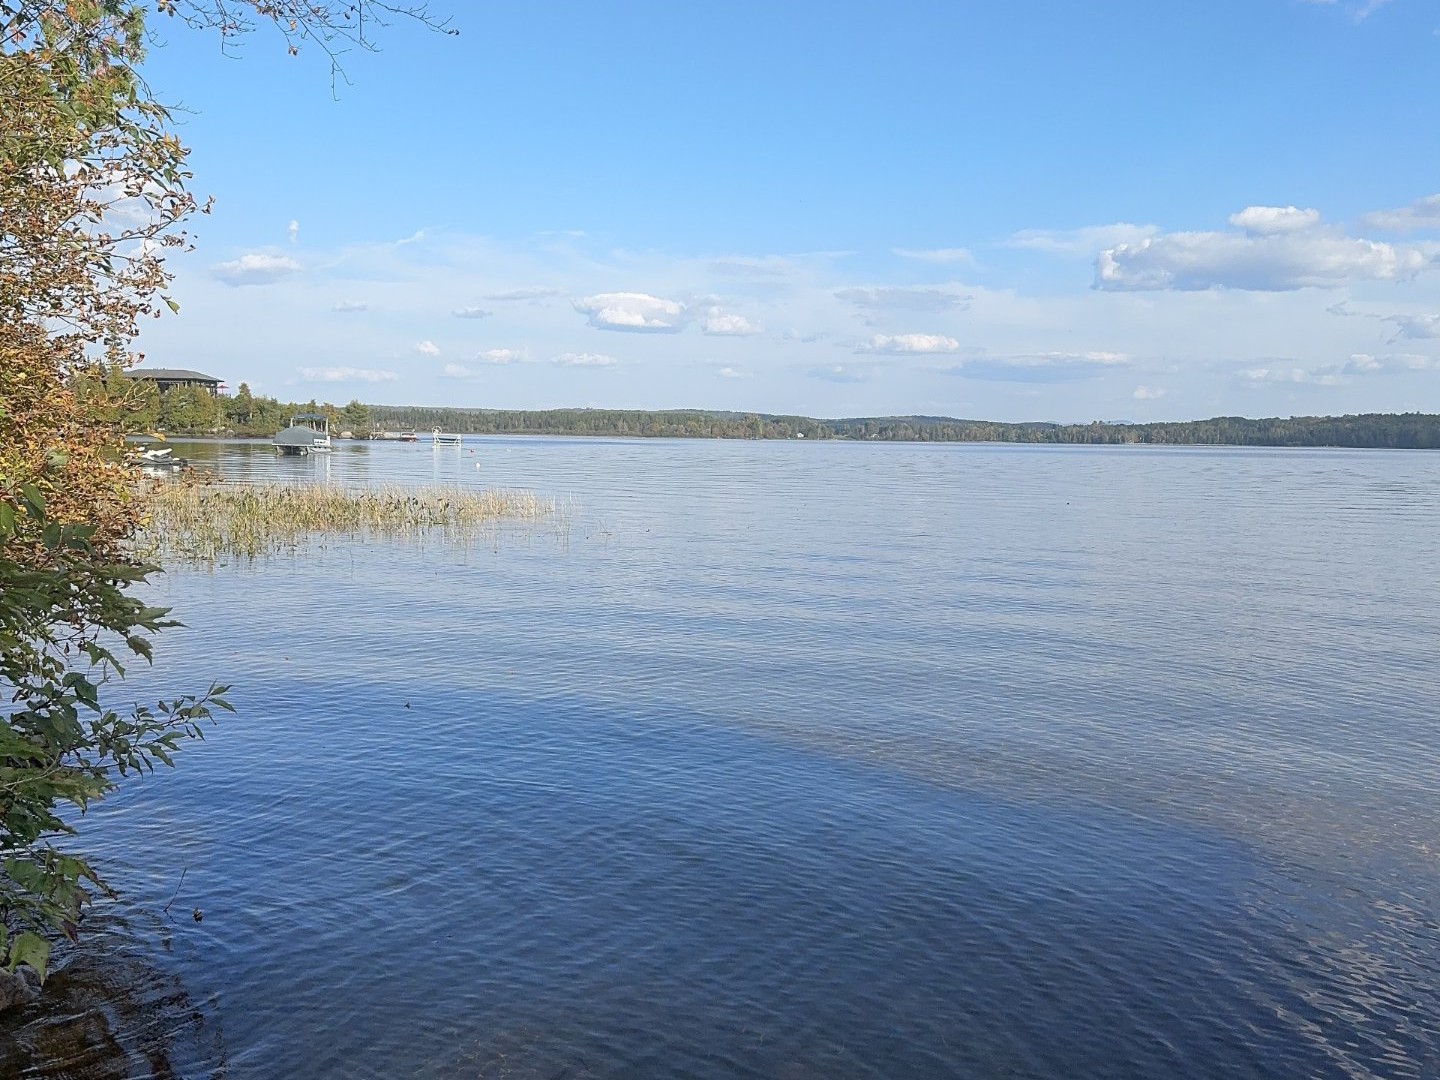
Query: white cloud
[721,324]
[1366,364]
[347,306]
[584,360]
[634,312]
[805,337]
[910,344]
[470,313]
[768,267]
[1041,367]
[1081,242]
[535,292]
[1322,376]
[935,255]
[456,371]
[1359,10]
[731,373]
[1420,214]
[1148,393]
[1415,327]
[427,348]
[256,268]
[346,374]
[1297,256]
[502,356]
[903,299]
[1268,220]
[293,229]
[844,373]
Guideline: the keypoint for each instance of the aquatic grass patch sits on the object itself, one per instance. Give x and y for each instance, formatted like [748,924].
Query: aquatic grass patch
[204,522]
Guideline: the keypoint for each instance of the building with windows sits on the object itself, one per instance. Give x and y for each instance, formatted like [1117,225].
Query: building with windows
[164,379]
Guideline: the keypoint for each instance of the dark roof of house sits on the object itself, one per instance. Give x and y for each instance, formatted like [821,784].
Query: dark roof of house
[170,374]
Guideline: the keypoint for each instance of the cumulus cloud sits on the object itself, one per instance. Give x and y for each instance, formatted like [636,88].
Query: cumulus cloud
[1415,327]
[903,299]
[584,360]
[1282,249]
[1148,393]
[1081,242]
[502,356]
[427,348]
[1420,214]
[1043,367]
[1268,220]
[1366,364]
[347,306]
[470,313]
[293,230]
[1328,375]
[633,312]
[256,268]
[534,292]
[721,324]
[805,337]
[910,344]
[346,374]
[731,373]
[935,255]
[843,373]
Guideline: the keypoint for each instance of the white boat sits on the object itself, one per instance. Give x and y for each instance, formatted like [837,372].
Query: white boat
[308,433]
[442,438]
[156,459]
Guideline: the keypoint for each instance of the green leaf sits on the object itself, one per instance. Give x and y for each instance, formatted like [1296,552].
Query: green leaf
[32,950]
[34,501]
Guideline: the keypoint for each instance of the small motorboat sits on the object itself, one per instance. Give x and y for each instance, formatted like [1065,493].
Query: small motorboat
[156,458]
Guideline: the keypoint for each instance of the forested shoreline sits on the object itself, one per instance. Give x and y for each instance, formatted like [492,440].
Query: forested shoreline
[193,411]
[1369,430]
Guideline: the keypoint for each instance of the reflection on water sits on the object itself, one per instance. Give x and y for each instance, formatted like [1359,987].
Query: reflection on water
[831,760]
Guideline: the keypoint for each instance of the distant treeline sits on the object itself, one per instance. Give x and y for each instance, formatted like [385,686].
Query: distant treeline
[1392,430]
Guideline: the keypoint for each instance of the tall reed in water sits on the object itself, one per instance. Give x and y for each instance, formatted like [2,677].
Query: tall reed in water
[208,521]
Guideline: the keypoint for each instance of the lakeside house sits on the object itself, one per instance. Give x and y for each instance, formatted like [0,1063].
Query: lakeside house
[166,379]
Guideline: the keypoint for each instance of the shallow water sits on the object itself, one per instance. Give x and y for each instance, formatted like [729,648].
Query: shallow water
[796,760]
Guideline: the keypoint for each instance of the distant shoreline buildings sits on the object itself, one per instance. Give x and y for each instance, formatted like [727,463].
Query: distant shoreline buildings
[167,379]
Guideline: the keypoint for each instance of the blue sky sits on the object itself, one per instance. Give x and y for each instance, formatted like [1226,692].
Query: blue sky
[1030,210]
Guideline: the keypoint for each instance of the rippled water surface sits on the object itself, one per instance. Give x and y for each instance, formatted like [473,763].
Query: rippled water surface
[800,761]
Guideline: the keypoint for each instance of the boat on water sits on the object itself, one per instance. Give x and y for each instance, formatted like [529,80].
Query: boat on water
[308,433]
[443,438]
[155,459]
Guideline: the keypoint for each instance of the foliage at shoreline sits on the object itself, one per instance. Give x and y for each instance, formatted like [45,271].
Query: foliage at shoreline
[194,412]
[134,406]
[204,522]
[93,196]
[1396,431]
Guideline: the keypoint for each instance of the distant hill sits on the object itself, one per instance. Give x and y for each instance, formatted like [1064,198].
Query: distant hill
[1371,430]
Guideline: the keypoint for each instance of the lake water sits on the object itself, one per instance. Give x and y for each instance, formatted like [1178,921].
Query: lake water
[795,760]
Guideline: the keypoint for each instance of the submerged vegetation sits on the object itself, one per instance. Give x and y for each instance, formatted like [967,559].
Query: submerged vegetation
[205,522]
